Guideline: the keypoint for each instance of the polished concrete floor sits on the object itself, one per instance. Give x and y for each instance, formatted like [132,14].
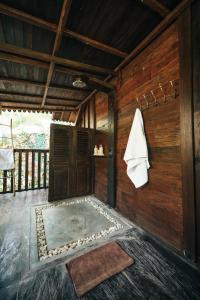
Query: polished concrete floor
[156,274]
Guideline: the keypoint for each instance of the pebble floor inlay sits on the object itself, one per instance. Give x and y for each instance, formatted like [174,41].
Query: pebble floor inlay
[44,252]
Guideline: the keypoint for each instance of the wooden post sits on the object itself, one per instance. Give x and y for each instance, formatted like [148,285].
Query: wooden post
[33,169]
[196,100]
[45,169]
[186,130]
[19,170]
[111,192]
[26,170]
[39,168]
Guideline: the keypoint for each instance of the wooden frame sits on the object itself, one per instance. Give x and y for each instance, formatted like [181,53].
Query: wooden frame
[187,139]
[196,110]
[111,191]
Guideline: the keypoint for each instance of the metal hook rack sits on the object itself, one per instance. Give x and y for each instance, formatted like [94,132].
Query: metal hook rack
[172,85]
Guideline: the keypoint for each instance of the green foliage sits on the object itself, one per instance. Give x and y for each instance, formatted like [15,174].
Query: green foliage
[30,131]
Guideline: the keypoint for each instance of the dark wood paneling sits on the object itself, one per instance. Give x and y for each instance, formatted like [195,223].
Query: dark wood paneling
[196,99]
[157,207]
[101,164]
[111,194]
[186,125]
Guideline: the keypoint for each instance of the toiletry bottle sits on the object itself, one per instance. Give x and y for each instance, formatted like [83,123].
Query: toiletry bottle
[95,150]
[101,150]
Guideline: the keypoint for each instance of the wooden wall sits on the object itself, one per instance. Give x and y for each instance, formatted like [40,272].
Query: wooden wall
[157,207]
[101,104]
[196,98]
[95,115]
[87,115]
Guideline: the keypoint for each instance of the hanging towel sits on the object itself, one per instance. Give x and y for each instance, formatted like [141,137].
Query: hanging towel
[6,159]
[136,154]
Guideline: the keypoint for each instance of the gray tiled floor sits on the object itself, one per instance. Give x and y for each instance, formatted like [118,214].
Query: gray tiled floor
[155,275]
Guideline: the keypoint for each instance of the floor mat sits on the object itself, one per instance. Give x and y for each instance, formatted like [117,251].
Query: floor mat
[90,269]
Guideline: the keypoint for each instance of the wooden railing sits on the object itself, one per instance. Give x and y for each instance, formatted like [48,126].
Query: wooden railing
[31,171]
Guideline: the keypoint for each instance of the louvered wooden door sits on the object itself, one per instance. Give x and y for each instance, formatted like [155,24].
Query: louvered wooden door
[70,166]
[83,168]
[61,162]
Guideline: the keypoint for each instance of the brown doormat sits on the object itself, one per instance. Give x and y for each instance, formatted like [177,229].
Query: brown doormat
[90,269]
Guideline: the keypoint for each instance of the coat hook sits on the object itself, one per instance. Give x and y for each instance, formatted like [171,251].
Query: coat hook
[154,97]
[161,88]
[145,98]
[138,102]
[173,89]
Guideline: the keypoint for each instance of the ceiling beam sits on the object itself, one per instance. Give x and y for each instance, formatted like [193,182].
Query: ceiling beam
[153,34]
[23,60]
[44,57]
[52,98]
[61,88]
[16,102]
[93,43]
[78,113]
[100,85]
[42,65]
[34,108]
[59,33]
[20,15]
[157,7]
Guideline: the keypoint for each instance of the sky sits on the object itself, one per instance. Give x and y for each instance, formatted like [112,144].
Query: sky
[28,122]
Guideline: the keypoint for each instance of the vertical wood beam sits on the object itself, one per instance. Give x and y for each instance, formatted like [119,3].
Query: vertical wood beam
[111,191]
[26,169]
[186,131]
[196,100]
[45,170]
[19,170]
[33,169]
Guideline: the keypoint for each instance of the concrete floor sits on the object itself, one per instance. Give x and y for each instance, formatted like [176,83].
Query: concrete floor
[156,274]
[63,227]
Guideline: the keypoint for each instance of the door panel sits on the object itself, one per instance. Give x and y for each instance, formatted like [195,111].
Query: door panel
[61,179]
[70,165]
[60,162]
[83,162]
[83,179]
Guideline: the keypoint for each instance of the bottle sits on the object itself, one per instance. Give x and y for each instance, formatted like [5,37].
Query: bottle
[100,152]
[95,150]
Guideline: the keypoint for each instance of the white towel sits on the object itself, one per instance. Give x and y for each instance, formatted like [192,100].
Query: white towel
[6,159]
[136,154]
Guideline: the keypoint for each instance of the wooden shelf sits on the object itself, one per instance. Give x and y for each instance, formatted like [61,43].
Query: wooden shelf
[100,156]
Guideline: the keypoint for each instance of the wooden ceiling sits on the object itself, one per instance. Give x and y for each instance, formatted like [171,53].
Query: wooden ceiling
[46,44]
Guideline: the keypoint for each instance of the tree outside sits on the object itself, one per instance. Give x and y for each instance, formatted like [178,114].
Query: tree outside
[30,131]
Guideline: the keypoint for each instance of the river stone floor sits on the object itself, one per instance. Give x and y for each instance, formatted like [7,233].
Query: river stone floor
[158,273]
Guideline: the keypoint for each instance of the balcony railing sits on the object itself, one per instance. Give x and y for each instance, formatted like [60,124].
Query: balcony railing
[31,171]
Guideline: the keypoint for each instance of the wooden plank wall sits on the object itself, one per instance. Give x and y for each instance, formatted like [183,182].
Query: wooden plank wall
[196,98]
[101,104]
[157,207]
[87,115]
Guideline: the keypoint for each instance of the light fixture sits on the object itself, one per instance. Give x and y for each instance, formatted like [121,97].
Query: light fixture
[79,83]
